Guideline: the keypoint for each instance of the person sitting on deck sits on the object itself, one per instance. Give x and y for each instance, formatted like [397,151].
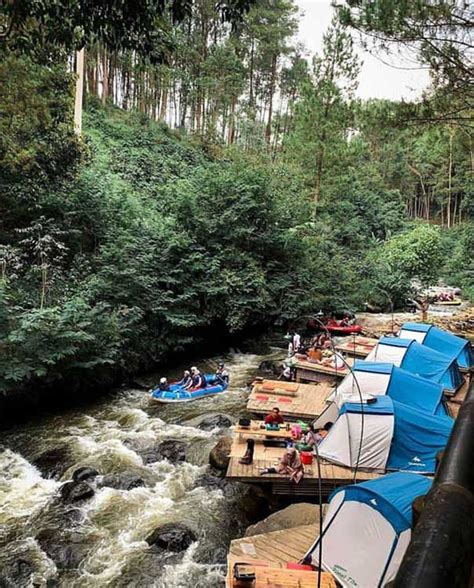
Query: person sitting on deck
[274,417]
[197,379]
[334,360]
[185,380]
[290,464]
[315,354]
[313,437]
[221,375]
[163,386]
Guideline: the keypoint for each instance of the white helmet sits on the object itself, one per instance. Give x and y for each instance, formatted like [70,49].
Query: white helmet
[162,380]
[193,369]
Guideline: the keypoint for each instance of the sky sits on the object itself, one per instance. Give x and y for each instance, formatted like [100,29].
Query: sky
[376,80]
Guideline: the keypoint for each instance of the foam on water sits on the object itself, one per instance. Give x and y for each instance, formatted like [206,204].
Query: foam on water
[23,491]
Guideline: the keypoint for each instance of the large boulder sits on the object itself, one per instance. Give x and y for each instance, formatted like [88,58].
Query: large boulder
[216,421]
[53,462]
[126,480]
[171,450]
[16,573]
[67,551]
[220,454]
[84,474]
[174,537]
[75,491]
[294,515]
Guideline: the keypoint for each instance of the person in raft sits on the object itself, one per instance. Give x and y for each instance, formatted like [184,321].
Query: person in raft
[290,465]
[197,380]
[163,386]
[274,417]
[185,379]
[221,375]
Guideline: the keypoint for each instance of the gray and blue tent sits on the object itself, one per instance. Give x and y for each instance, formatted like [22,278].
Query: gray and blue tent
[418,359]
[367,529]
[377,379]
[454,347]
[395,437]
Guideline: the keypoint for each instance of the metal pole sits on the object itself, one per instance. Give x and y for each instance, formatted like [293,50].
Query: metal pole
[441,550]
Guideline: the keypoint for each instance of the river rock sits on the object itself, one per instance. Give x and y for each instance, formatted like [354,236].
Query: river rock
[219,456]
[171,450]
[67,552]
[53,462]
[217,421]
[75,491]
[172,537]
[16,574]
[123,481]
[84,473]
[269,366]
[294,515]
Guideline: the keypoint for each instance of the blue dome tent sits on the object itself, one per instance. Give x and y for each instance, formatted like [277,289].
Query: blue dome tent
[455,347]
[367,529]
[394,437]
[378,379]
[418,359]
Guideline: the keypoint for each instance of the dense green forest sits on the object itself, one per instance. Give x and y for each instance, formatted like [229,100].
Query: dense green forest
[224,182]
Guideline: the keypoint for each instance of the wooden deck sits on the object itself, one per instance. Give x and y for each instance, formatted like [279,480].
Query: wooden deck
[454,401]
[270,553]
[303,402]
[311,371]
[332,476]
[358,347]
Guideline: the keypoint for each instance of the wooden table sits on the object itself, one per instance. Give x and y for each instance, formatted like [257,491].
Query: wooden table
[256,431]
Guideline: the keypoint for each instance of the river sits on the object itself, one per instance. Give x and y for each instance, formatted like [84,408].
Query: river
[109,530]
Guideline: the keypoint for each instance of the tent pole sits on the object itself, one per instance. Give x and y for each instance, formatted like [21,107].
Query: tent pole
[441,550]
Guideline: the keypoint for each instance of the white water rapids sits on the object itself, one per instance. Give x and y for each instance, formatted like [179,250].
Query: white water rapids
[110,529]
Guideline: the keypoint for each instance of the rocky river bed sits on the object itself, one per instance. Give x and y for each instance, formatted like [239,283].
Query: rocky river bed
[146,510]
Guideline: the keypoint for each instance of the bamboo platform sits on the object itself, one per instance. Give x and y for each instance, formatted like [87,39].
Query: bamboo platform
[309,371]
[332,476]
[357,346]
[272,551]
[303,402]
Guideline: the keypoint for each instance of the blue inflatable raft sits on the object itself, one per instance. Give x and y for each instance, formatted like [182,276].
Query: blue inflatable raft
[179,394]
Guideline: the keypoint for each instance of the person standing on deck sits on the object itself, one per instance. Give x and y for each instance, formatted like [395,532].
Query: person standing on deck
[296,342]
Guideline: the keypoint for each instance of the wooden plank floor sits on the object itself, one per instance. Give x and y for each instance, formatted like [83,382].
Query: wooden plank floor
[305,402]
[304,365]
[332,475]
[357,346]
[274,550]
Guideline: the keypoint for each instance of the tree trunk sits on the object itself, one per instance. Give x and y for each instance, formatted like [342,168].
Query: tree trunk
[231,135]
[268,130]
[105,77]
[450,177]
